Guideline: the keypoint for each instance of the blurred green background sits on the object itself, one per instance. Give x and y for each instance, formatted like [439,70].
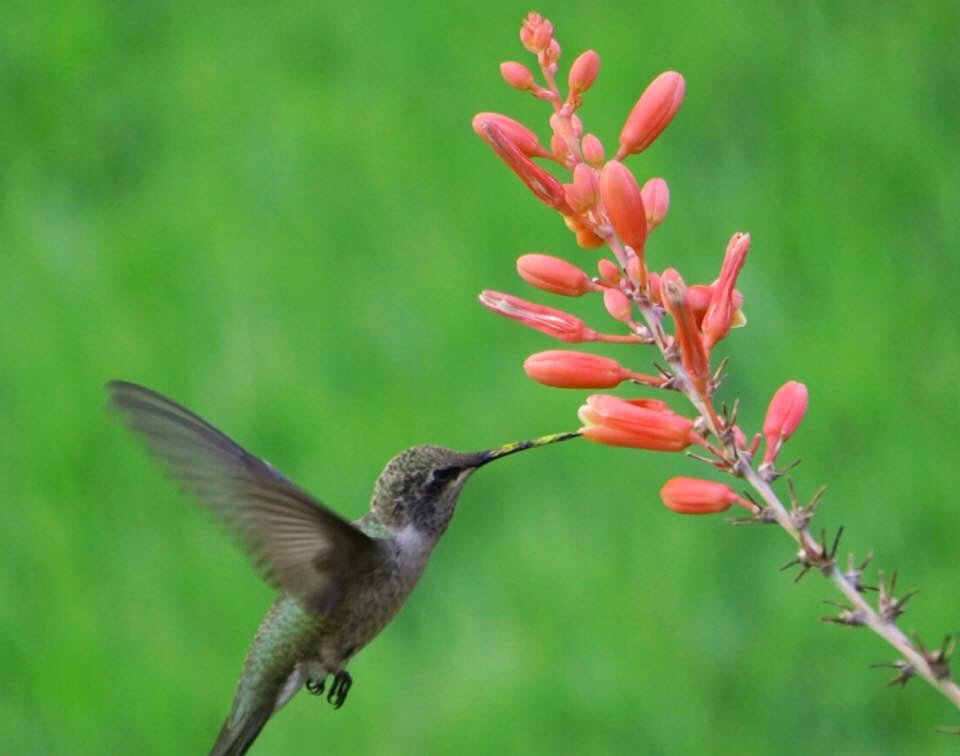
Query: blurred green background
[278,214]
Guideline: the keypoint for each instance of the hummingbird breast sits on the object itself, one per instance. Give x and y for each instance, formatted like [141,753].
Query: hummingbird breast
[372,600]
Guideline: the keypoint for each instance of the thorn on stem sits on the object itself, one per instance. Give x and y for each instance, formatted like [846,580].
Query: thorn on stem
[801,515]
[816,555]
[905,672]
[761,515]
[889,606]
[854,574]
[938,658]
[803,560]
[848,615]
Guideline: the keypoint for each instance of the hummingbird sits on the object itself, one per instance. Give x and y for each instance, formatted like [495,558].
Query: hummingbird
[339,583]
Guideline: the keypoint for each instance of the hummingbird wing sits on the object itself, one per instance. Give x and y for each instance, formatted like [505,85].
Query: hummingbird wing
[298,545]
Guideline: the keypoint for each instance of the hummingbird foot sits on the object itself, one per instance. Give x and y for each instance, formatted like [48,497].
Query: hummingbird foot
[338,691]
[315,687]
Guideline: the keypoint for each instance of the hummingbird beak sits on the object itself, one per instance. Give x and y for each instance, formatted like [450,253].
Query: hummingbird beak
[518,446]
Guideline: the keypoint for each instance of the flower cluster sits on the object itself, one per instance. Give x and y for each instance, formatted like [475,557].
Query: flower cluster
[605,206]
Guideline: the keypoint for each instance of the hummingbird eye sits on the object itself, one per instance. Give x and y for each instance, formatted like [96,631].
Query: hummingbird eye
[440,476]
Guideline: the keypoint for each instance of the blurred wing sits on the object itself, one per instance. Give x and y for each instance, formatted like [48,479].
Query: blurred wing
[297,544]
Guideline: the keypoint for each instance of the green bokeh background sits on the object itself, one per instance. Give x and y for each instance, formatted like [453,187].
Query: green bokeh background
[278,214]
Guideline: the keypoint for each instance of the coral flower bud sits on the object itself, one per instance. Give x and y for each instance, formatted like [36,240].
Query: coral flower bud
[694,357]
[654,110]
[552,53]
[656,201]
[608,271]
[518,134]
[543,185]
[636,270]
[559,147]
[617,305]
[577,125]
[564,369]
[583,72]
[554,275]
[695,496]
[516,75]
[592,149]
[621,197]
[536,33]
[720,314]
[586,188]
[613,421]
[784,415]
[561,325]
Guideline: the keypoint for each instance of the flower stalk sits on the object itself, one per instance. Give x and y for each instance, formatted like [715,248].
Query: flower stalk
[603,204]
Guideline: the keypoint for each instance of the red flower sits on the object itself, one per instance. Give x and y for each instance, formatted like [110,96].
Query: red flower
[613,421]
[565,369]
[695,496]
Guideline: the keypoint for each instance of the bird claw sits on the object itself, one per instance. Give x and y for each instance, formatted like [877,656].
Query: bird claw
[338,691]
[315,687]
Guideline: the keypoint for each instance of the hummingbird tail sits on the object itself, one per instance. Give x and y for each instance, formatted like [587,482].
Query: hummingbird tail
[237,735]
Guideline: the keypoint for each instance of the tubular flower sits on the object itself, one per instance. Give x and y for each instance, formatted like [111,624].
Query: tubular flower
[784,416]
[564,369]
[652,113]
[583,72]
[557,323]
[624,203]
[695,496]
[613,421]
[554,275]
[720,314]
[585,188]
[618,305]
[656,200]
[694,357]
[543,185]
[517,75]
[592,149]
[522,138]
[608,271]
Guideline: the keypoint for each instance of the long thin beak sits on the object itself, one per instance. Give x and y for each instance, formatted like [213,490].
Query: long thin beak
[518,446]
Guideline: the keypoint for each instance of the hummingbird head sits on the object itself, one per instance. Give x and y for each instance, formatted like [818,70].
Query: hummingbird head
[420,486]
